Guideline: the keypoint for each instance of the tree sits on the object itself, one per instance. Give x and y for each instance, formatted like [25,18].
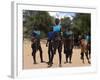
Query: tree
[36,19]
[66,23]
[81,23]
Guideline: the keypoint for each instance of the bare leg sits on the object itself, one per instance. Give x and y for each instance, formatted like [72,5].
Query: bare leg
[41,56]
[82,56]
[70,57]
[51,60]
[34,57]
[86,53]
[60,56]
[66,56]
[33,46]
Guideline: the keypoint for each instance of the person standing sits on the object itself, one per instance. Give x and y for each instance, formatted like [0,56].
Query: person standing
[36,45]
[49,44]
[68,45]
[57,42]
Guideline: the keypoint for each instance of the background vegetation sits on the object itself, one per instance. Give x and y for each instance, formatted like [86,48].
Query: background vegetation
[81,22]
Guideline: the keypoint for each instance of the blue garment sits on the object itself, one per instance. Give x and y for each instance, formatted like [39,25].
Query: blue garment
[50,35]
[57,28]
[67,34]
[33,34]
[87,38]
[36,34]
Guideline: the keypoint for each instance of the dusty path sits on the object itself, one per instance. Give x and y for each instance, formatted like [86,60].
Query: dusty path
[28,61]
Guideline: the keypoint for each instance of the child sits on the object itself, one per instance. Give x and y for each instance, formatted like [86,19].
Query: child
[49,44]
[57,43]
[35,39]
[68,45]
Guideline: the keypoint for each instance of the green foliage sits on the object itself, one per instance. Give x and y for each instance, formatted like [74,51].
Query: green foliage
[66,23]
[36,19]
[42,20]
[81,23]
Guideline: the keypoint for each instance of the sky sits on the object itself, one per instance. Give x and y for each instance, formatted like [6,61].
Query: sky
[62,14]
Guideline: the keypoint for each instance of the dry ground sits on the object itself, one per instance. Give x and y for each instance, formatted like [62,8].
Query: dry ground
[28,61]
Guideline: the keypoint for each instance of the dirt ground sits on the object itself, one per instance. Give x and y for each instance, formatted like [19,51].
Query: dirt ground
[28,60]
